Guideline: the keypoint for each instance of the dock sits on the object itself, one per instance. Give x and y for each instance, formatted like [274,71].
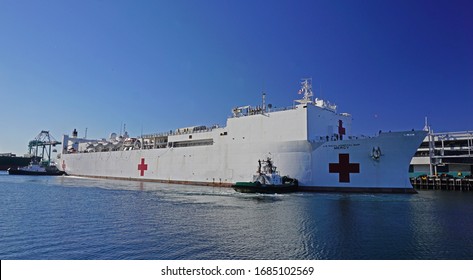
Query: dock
[435,183]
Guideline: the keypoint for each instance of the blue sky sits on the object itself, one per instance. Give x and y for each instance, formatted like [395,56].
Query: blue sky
[160,65]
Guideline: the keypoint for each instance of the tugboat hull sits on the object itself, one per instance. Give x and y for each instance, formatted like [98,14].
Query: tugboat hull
[256,187]
[35,173]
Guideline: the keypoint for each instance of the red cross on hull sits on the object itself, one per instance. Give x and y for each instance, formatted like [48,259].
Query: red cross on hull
[344,168]
[142,167]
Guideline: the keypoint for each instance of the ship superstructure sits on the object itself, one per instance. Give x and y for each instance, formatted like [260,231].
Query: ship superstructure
[309,141]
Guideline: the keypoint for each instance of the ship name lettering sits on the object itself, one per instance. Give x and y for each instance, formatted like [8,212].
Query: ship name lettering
[342,146]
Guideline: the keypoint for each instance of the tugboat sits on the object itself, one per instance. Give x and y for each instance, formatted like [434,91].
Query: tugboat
[41,163]
[267,180]
[36,168]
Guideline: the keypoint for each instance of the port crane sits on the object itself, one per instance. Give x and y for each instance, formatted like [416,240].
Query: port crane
[42,146]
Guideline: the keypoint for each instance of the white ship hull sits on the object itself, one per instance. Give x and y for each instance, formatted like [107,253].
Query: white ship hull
[304,142]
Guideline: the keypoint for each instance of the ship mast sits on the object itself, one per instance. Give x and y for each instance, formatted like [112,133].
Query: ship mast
[264,102]
[306,91]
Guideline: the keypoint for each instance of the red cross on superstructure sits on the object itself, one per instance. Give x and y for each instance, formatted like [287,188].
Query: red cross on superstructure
[142,167]
[344,168]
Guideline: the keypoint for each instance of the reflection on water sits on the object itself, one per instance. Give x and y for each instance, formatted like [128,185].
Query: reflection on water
[77,218]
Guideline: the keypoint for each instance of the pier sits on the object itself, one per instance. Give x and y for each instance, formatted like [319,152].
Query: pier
[436,183]
[444,161]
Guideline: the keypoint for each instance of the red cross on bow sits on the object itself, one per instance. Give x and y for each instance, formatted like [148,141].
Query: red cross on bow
[142,167]
[344,168]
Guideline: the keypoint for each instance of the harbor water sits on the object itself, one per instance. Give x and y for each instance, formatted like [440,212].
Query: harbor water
[76,218]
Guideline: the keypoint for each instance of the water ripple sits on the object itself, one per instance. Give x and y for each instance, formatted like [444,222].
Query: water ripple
[76,218]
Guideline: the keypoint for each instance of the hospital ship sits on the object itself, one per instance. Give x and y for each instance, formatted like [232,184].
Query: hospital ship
[309,141]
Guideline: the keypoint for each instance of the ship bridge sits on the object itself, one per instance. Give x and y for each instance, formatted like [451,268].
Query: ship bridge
[306,119]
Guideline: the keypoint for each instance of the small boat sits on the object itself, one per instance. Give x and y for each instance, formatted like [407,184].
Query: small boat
[267,180]
[36,169]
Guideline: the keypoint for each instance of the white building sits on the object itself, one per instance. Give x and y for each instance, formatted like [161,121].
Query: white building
[444,153]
